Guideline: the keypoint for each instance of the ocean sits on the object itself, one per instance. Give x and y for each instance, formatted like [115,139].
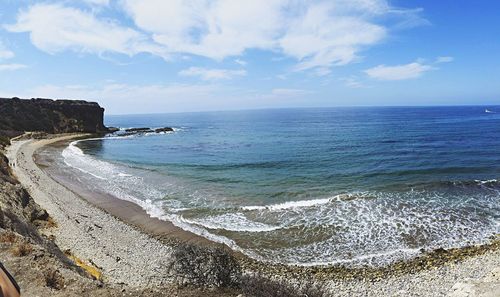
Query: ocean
[355,186]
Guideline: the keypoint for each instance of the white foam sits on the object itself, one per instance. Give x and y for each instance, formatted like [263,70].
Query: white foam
[232,222]
[391,227]
[72,153]
[121,174]
[489,181]
[289,205]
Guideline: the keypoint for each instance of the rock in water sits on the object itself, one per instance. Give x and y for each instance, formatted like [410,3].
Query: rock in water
[164,129]
[139,130]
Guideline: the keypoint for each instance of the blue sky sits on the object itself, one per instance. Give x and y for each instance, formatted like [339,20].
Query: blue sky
[148,56]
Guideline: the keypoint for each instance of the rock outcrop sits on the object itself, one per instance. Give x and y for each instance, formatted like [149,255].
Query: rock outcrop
[20,217]
[164,129]
[51,116]
[17,208]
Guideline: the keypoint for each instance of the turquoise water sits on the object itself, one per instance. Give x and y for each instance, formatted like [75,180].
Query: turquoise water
[311,186]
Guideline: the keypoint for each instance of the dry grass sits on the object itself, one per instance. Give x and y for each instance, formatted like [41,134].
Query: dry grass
[8,237]
[54,279]
[22,249]
[51,223]
[90,269]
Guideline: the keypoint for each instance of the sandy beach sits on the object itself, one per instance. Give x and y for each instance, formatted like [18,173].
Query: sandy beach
[92,227]
[121,252]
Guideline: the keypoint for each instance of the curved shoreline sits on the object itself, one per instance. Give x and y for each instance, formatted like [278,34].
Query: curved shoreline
[127,211]
[42,186]
[123,253]
[136,215]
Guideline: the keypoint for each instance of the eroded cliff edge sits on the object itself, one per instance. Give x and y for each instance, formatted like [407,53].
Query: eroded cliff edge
[51,116]
[42,115]
[34,259]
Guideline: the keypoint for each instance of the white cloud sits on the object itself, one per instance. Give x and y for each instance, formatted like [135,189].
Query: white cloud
[97,2]
[328,34]
[214,29]
[212,74]
[289,92]
[444,59]
[352,82]
[5,53]
[398,72]
[12,67]
[317,34]
[54,28]
[241,62]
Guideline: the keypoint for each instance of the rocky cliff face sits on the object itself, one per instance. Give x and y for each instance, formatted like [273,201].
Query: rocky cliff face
[51,116]
[20,217]
[45,115]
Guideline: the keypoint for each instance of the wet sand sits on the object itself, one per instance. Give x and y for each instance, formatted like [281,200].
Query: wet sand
[124,210]
[122,252]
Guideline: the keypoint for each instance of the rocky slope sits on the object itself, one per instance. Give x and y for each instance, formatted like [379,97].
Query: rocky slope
[29,255]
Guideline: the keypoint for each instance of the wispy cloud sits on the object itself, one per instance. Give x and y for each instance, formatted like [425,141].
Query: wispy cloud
[398,72]
[54,28]
[12,67]
[352,82]
[241,62]
[212,74]
[284,92]
[5,53]
[97,2]
[316,34]
[444,59]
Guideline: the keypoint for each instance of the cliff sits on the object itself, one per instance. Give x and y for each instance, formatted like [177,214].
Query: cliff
[22,220]
[17,208]
[51,116]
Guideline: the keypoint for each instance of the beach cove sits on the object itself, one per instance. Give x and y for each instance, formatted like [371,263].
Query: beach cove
[141,252]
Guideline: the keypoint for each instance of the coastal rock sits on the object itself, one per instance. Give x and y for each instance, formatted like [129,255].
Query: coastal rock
[139,130]
[164,129]
[113,129]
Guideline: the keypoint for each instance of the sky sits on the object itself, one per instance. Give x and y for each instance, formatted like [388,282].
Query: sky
[155,56]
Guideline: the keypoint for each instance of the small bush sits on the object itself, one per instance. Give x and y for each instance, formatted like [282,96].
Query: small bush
[4,141]
[259,286]
[22,249]
[8,237]
[54,279]
[204,266]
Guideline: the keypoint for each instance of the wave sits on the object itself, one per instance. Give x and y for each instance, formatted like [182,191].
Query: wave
[113,179]
[289,205]
[307,203]
[232,222]
[347,228]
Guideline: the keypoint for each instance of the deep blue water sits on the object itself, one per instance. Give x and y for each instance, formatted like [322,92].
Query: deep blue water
[312,185]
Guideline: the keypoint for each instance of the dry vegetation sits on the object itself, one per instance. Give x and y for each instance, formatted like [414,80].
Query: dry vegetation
[8,237]
[22,249]
[259,286]
[54,279]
